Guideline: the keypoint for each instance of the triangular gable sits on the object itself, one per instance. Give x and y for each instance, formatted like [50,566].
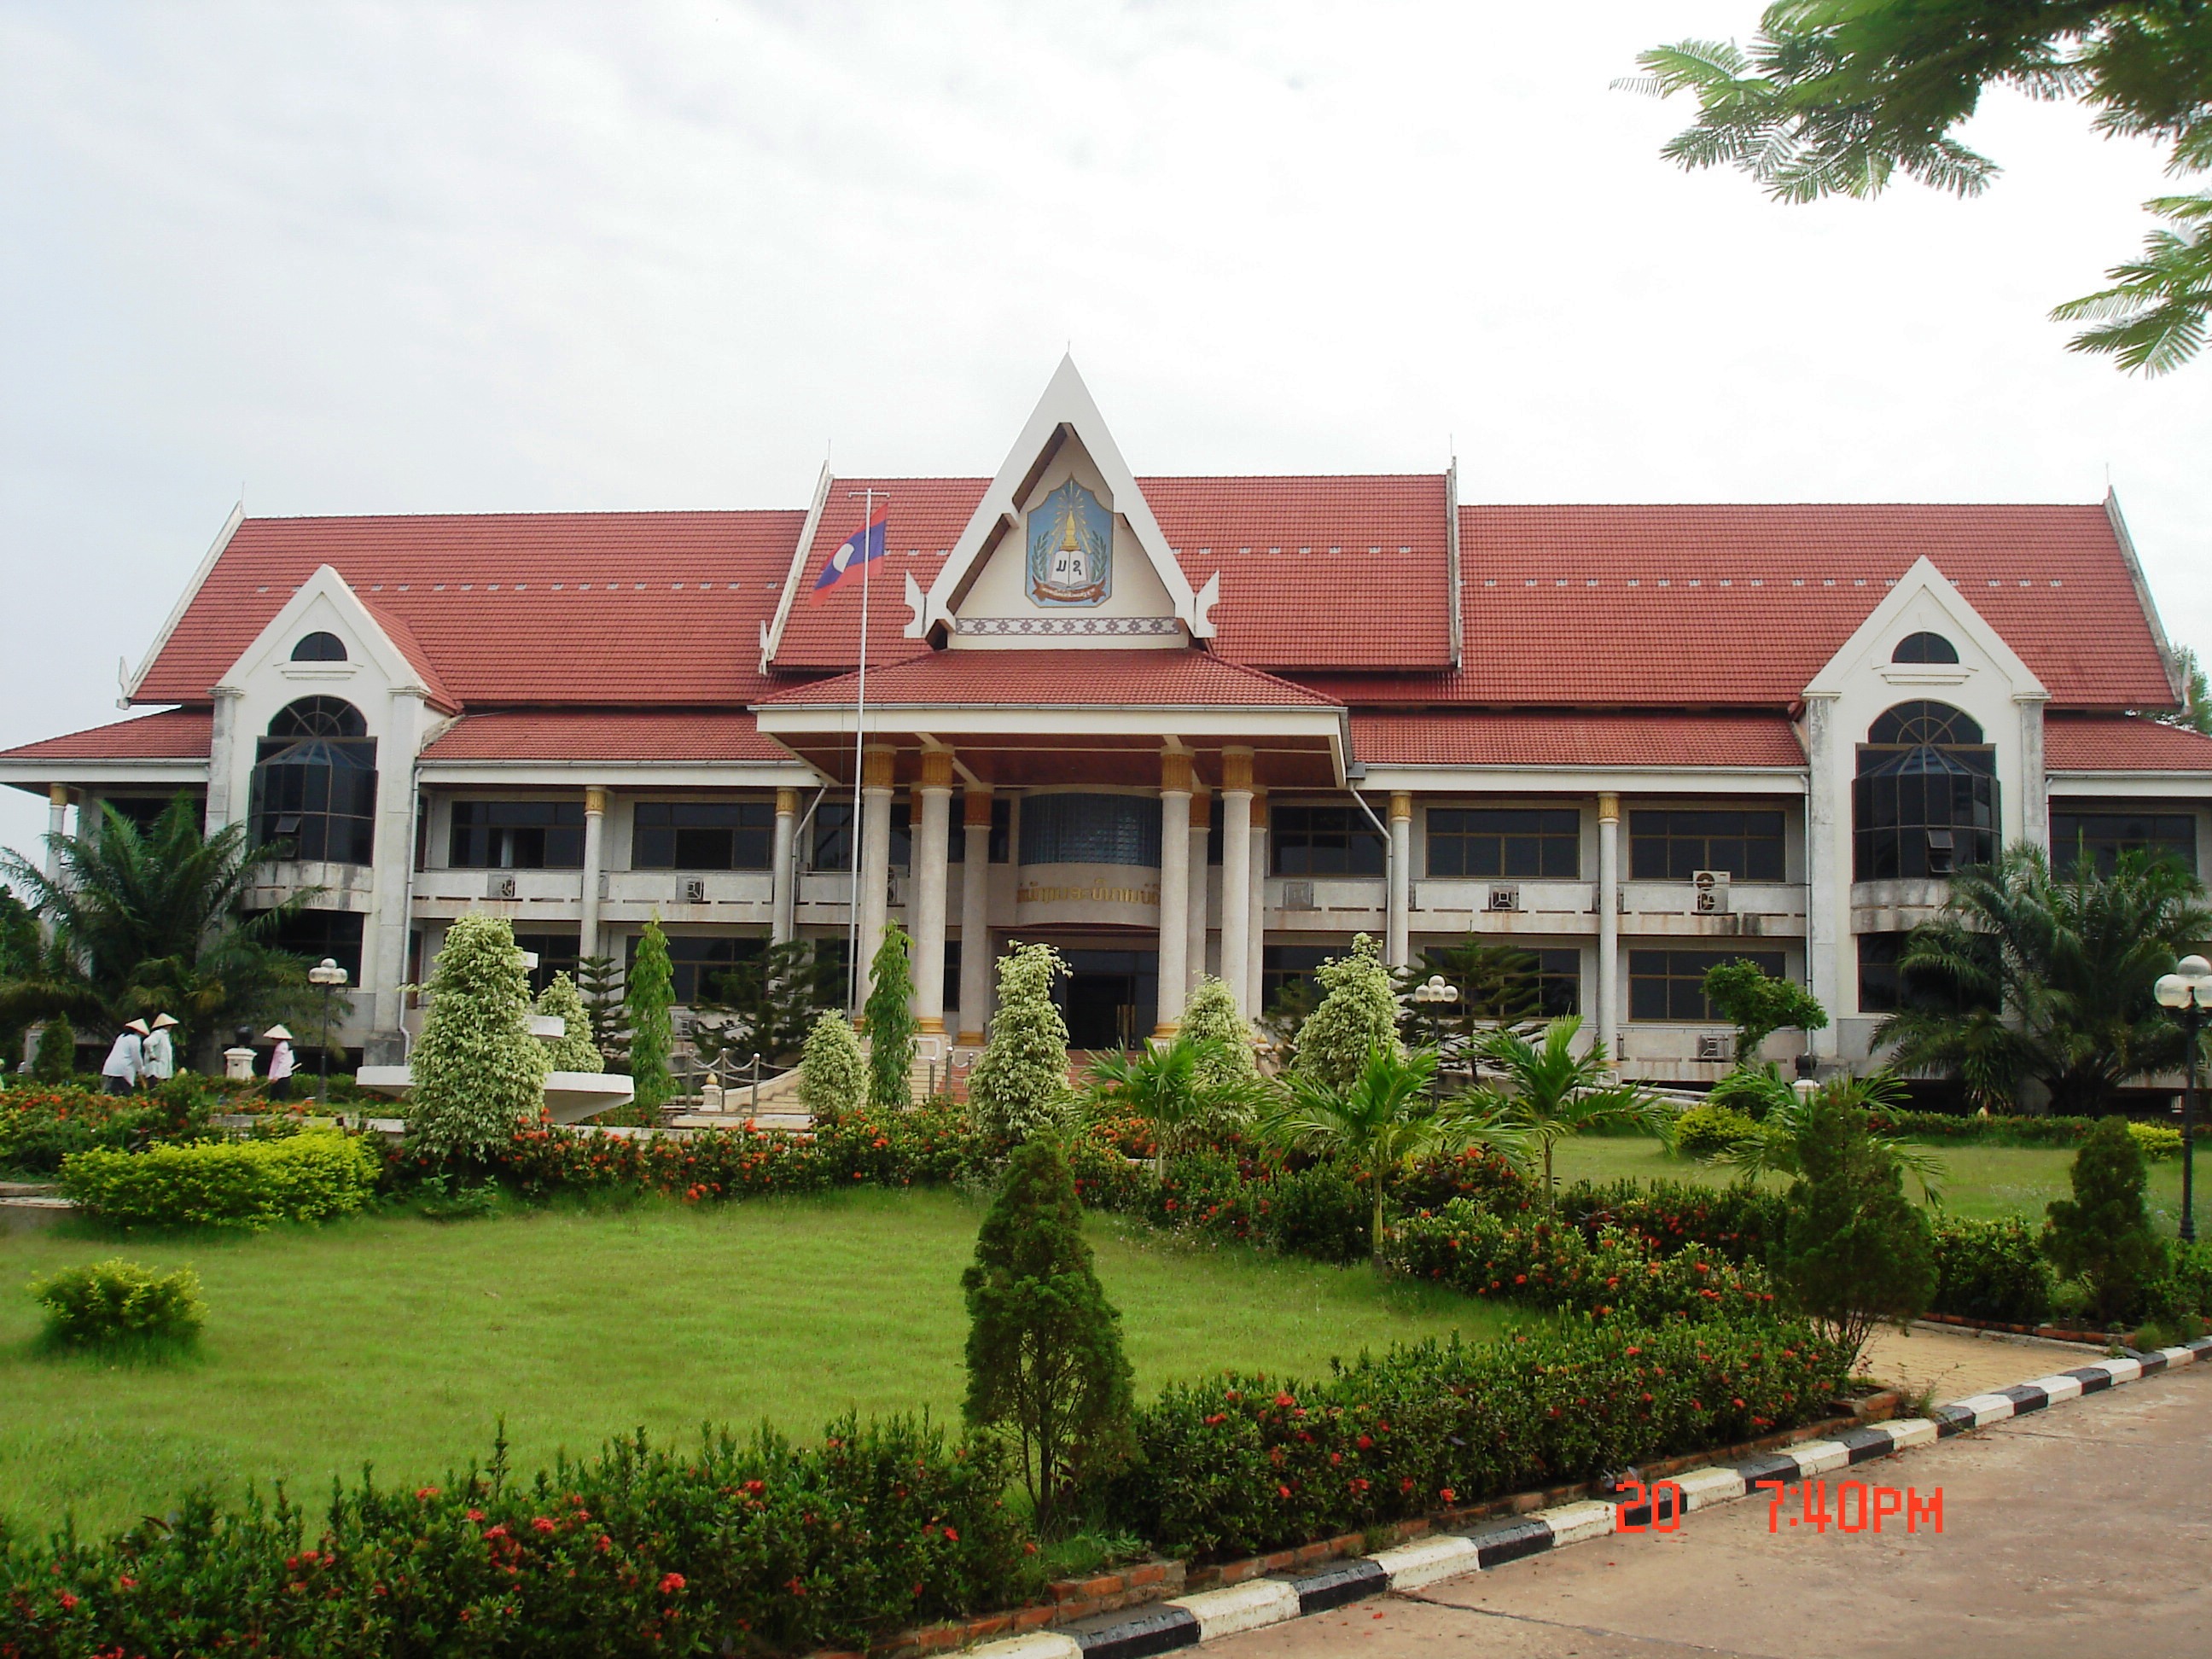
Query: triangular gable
[1924,599]
[325,599]
[1064,413]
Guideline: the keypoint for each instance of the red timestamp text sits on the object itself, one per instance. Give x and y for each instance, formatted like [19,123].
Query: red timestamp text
[1858,1507]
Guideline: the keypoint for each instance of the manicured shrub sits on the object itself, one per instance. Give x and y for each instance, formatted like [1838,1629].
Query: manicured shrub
[2155,1140]
[1991,1270]
[1709,1131]
[243,1184]
[726,1547]
[890,1023]
[646,999]
[573,1050]
[1358,1013]
[1210,1016]
[1320,1212]
[1018,1083]
[1738,1221]
[119,1301]
[1045,1366]
[2103,1235]
[1546,1263]
[1758,1005]
[1998,1129]
[477,1070]
[1855,1251]
[1244,1463]
[54,1060]
[833,1073]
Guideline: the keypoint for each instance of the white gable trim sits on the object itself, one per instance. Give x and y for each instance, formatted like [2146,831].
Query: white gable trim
[2166,652]
[184,603]
[1066,406]
[1924,580]
[270,645]
[771,639]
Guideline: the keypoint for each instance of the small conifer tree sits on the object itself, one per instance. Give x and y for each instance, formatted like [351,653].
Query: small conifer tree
[599,982]
[573,1050]
[1045,1366]
[1358,1012]
[1211,1018]
[54,1060]
[890,1015]
[477,1070]
[1854,1250]
[1019,1082]
[651,1030]
[833,1074]
[2103,1235]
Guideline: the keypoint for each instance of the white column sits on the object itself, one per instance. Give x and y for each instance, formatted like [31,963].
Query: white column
[384,940]
[2034,790]
[783,869]
[976,916]
[1236,870]
[1608,926]
[595,844]
[225,803]
[1828,865]
[1194,950]
[58,805]
[872,871]
[1255,947]
[1398,925]
[1175,892]
[932,845]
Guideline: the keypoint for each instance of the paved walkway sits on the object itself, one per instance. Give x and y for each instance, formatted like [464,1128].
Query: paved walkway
[2086,1528]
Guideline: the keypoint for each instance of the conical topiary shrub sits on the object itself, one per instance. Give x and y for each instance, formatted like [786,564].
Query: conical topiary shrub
[477,1070]
[574,1050]
[833,1073]
[1358,1013]
[1020,1083]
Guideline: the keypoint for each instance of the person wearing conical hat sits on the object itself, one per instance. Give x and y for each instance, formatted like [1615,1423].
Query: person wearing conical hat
[126,1061]
[280,1063]
[161,1051]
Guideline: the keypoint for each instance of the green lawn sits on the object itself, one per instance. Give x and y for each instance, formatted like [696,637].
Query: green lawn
[403,1342]
[1982,1183]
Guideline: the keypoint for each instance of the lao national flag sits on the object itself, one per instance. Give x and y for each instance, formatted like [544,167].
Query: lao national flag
[864,545]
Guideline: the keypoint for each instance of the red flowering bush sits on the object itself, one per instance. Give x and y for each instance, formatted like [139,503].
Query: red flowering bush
[41,1124]
[1739,1220]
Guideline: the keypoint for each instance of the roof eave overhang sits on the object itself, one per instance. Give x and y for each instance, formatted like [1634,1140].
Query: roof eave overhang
[2135,780]
[1461,777]
[787,773]
[40,774]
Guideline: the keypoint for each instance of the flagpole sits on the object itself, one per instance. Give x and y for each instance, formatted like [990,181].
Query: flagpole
[859,755]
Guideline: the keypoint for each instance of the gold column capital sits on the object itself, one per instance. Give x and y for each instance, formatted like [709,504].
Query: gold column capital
[1608,808]
[787,802]
[1258,808]
[1236,768]
[59,794]
[876,767]
[1401,804]
[975,807]
[595,800]
[936,768]
[1175,772]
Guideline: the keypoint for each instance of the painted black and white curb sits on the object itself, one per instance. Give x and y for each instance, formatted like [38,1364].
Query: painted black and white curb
[1207,1615]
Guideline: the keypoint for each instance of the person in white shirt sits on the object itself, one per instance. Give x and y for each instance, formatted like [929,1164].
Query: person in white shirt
[126,1061]
[280,1063]
[160,1052]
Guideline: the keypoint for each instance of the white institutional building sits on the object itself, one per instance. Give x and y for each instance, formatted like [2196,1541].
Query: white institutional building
[1171,724]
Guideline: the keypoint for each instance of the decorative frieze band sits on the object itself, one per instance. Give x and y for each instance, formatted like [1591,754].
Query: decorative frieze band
[1125,627]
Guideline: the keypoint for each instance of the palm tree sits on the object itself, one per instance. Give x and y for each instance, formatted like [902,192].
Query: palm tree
[1180,1088]
[1556,1093]
[1774,1150]
[1383,1121]
[2033,973]
[152,919]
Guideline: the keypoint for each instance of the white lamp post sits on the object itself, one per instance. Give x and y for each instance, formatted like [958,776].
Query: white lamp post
[2188,992]
[1432,994]
[328,975]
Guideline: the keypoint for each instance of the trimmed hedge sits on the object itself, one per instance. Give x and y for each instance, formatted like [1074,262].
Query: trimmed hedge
[1991,1270]
[1242,1463]
[246,1184]
[1997,1130]
[1550,1264]
[119,1301]
[730,1548]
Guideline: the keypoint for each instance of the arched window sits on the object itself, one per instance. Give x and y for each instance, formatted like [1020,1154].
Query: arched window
[1924,648]
[320,647]
[315,782]
[1925,800]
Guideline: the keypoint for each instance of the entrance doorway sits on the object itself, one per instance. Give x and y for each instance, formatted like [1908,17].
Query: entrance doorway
[1110,999]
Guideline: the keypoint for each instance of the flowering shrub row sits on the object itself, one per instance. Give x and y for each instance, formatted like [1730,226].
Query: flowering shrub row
[1241,1464]
[1738,1221]
[1551,1264]
[1995,1130]
[731,1548]
[41,1124]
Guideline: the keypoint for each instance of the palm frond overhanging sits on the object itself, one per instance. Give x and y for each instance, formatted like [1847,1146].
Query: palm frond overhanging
[1556,1093]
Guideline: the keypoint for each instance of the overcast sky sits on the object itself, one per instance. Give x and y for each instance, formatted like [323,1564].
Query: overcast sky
[379,258]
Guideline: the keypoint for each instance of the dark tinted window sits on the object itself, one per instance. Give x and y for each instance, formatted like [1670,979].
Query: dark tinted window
[1537,841]
[2103,836]
[1924,648]
[684,835]
[698,962]
[1001,843]
[1670,985]
[829,841]
[1322,841]
[315,934]
[1091,830]
[556,953]
[1674,845]
[320,647]
[1925,799]
[517,835]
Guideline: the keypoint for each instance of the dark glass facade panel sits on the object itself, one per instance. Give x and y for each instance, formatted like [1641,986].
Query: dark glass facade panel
[1674,845]
[315,934]
[140,811]
[318,797]
[1282,964]
[829,839]
[517,835]
[556,953]
[1670,985]
[704,834]
[1322,841]
[2103,836]
[1091,830]
[1002,839]
[697,961]
[1881,983]
[1921,811]
[1534,841]
[1911,724]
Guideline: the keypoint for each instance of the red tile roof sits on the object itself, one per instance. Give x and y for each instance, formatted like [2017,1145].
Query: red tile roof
[1558,737]
[2080,742]
[544,608]
[173,734]
[926,516]
[1067,679]
[606,734]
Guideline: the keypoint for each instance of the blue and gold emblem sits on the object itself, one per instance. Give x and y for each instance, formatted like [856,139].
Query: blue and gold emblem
[1071,555]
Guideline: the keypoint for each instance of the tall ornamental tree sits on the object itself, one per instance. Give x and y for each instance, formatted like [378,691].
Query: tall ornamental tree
[477,1070]
[1837,97]
[890,1015]
[1045,1366]
[1210,1018]
[1758,1005]
[650,996]
[573,1050]
[833,1073]
[1358,1012]
[1019,1082]
[2032,973]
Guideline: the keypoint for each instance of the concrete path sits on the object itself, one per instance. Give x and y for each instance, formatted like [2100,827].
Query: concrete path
[2086,1528]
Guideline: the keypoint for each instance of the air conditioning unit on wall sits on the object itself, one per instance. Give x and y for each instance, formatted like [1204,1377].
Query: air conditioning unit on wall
[694,889]
[1716,1045]
[1709,893]
[1298,895]
[1504,898]
[500,887]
